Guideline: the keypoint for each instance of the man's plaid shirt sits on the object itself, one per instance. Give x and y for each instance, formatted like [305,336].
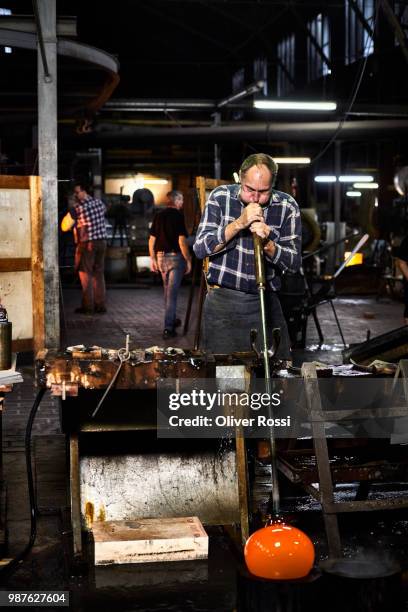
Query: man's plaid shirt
[90,219]
[234,265]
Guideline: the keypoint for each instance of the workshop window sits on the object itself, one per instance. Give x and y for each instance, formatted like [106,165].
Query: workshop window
[238,84]
[6,11]
[359,29]
[318,39]
[286,65]
[261,73]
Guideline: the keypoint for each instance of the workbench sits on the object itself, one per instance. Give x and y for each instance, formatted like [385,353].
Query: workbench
[118,468]
[5,389]
[161,477]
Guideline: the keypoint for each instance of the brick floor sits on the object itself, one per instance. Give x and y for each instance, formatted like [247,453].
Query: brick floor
[139,312]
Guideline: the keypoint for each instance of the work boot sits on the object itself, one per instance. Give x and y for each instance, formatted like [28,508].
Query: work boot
[169,333]
[82,310]
[100,309]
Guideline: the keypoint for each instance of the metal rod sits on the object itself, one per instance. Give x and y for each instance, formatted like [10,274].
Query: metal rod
[248,91]
[47,75]
[190,295]
[123,355]
[261,284]
[201,296]
[330,245]
[338,324]
[358,246]
[337,200]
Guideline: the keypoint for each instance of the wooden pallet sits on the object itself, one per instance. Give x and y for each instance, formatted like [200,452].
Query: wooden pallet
[149,540]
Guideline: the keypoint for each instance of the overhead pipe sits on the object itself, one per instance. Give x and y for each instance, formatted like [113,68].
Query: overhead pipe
[185,104]
[272,131]
[236,102]
[158,104]
[40,37]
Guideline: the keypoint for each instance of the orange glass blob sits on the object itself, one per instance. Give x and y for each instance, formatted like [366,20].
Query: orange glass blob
[279,552]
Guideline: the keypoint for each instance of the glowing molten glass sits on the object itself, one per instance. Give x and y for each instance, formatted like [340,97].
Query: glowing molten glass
[279,552]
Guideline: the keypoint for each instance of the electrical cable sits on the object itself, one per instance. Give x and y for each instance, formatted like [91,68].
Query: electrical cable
[123,355]
[8,569]
[355,90]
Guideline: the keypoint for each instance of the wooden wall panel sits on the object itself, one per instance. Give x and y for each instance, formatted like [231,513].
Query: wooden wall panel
[37,263]
[21,259]
[15,223]
[16,295]
[205,186]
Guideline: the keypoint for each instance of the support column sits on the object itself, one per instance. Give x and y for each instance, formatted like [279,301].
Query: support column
[337,199]
[217,148]
[97,172]
[48,164]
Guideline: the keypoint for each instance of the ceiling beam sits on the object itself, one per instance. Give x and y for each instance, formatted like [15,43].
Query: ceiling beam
[293,131]
[312,39]
[302,3]
[68,48]
[166,16]
[228,14]
[258,32]
[396,26]
[66,26]
[362,18]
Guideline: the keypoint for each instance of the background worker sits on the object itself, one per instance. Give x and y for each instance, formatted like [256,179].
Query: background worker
[88,216]
[169,255]
[402,260]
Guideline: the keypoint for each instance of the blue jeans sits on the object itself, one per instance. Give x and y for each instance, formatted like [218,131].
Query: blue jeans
[172,268]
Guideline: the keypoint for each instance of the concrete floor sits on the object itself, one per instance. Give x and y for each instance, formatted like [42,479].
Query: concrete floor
[138,311]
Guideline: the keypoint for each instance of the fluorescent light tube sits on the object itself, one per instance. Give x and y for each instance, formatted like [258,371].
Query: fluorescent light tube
[292,105]
[325,179]
[365,186]
[356,178]
[292,160]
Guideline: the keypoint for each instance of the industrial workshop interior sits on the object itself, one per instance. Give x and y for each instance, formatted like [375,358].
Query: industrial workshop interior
[204,305]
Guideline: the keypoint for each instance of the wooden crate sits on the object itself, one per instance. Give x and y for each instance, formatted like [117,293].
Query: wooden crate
[149,540]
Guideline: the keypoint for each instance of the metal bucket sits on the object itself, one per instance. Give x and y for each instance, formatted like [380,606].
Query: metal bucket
[363,584]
